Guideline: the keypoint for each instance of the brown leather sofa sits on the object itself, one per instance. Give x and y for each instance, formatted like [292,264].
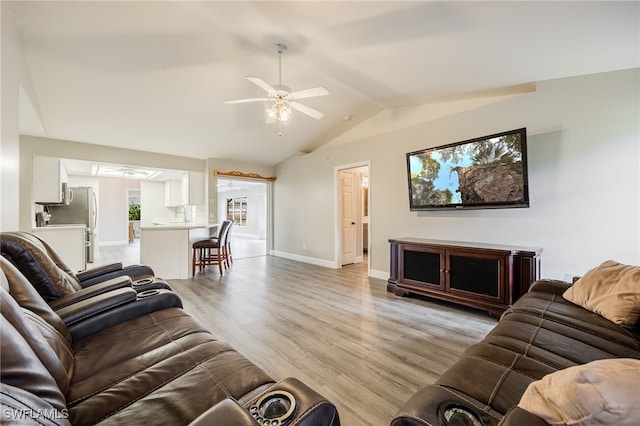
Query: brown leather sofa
[91,300]
[157,367]
[53,279]
[540,334]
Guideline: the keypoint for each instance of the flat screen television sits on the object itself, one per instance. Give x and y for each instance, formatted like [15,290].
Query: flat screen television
[480,173]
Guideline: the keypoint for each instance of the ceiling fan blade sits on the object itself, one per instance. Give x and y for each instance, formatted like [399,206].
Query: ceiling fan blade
[306,110]
[242,101]
[261,83]
[309,93]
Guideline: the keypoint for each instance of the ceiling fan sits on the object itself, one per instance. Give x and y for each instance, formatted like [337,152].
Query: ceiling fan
[282,97]
[123,171]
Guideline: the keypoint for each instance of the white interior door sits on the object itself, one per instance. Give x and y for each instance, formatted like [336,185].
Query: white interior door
[348,217]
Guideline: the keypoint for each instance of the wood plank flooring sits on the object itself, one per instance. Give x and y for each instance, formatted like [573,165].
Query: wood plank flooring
[338,331]
[129,253]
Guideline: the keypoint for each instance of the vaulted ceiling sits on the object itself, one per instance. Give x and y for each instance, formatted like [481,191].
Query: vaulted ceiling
[153,75]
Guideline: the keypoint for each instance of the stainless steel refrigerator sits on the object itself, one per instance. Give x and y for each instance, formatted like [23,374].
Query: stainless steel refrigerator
[82,209]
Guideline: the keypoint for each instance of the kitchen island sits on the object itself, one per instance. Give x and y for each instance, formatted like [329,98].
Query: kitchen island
[166,247]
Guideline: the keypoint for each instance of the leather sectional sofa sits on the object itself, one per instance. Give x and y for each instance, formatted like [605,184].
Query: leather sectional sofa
[91,300]
[153,364]
[541,334]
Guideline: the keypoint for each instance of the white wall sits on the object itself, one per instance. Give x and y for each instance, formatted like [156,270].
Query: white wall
[12,56]
[91,181]
[113,210]
[152,198]
[584,180]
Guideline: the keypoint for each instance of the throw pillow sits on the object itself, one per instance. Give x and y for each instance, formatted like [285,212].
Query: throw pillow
[603,392]
[611,290]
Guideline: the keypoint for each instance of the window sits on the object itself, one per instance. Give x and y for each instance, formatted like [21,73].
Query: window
[237,210]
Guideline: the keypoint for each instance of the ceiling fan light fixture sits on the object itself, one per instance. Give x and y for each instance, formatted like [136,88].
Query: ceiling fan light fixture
[284,100]
[279,112]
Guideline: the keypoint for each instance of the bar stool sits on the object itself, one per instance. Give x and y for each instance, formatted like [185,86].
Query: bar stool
[226,244]
[203,254]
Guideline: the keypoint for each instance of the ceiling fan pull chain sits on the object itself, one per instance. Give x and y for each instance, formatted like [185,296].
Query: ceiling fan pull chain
[279,67]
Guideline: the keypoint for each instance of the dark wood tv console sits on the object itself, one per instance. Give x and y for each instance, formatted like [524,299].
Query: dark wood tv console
[490,277]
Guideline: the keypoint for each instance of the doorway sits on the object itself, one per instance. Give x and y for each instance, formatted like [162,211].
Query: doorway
[352,215]
[245,202]
[133,212]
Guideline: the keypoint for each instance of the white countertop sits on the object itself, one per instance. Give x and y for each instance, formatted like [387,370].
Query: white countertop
[177,226]
[59,227]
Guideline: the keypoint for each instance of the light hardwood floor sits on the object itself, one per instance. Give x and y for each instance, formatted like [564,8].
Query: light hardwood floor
[338,331]
[129,253]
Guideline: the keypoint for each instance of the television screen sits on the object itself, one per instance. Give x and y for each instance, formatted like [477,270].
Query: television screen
[486,172]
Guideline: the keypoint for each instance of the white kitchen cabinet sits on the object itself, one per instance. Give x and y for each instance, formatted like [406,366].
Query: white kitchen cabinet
[193,188]
[188,190]
[69,242]
[49,180]
[172,193]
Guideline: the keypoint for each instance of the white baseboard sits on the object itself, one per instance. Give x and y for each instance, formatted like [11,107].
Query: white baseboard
[383,275]
[247,236]
[374,273]
[305,259]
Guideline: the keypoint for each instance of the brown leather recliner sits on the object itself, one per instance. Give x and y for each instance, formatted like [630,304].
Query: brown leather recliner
[46,271]
[158,368]
[540,334]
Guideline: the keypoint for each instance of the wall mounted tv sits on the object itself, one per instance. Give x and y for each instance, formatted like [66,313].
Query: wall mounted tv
[480,173]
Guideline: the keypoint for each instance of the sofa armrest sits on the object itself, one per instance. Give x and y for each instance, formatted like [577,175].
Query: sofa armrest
[134,271]
[144,303]
[150,283]
[312,409]
[89,292]
[87,308]
[550,286]
[227,412]
[98,271]
[429,404]
[517,416]
[20,406]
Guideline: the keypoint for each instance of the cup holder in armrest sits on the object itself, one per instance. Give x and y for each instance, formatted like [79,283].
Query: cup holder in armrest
[148,293]
[148,283]
[143,281]
[454,414]
[274,408]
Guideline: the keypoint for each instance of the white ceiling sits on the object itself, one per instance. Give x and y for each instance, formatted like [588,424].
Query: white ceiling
[153,75]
